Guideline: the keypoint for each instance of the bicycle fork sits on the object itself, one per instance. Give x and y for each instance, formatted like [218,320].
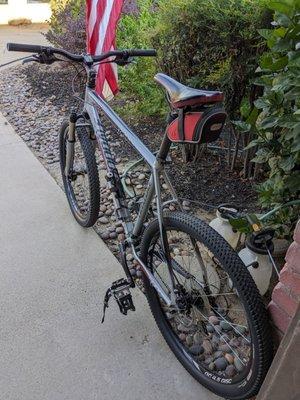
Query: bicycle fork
[70,144]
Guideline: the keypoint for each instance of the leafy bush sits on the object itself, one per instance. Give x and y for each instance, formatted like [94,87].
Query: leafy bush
[67,25]
[213,44]
[278,123]
[135,31]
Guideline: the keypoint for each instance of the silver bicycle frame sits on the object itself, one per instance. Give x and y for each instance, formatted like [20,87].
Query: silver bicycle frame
[156,163]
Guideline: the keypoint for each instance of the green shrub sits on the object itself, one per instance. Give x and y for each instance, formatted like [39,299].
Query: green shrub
[67,25]
[135,30]
[278,123]
[213,44]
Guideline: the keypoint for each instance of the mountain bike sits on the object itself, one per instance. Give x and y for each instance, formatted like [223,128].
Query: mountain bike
[201,295]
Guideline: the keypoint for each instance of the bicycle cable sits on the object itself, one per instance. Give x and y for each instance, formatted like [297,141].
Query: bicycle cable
[14,61]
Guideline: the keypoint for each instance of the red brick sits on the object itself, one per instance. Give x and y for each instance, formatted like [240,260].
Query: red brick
[291,281]
[297,232]
[293,256]
[280,319]
[283,300]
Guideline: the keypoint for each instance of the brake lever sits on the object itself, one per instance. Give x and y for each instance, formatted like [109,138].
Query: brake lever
[30,59]
[41,58]
[124,61]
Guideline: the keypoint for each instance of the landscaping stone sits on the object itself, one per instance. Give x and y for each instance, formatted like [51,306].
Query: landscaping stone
[225,326]
[196,349]
[103,220]
[189,340]
[197,338]
[221,363]
[238,364]
[207,346]
[229,358]
[230,371]
[213,320]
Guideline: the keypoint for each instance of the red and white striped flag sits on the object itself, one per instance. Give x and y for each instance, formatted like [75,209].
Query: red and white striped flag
[102,20]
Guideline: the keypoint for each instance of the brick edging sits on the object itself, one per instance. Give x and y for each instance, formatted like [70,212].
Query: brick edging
[286,294]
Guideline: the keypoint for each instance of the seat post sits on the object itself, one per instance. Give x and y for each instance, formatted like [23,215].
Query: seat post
[164,148]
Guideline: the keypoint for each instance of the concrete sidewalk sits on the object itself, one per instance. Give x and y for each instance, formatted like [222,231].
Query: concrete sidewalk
[53,276]
[32,34]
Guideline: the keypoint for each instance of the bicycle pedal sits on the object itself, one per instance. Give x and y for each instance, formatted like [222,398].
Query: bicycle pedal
[120,290]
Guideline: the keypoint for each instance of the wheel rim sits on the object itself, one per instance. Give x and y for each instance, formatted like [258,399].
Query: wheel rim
[212,333]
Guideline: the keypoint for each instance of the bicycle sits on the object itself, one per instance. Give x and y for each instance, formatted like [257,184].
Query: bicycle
[202,297]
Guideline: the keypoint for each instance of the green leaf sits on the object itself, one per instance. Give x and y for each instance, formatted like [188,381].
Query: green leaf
[252,144]
[268,122]
[294,59]
[279,32]
[266,33]
[268,62]
[296,144]
[282,6]
[287,164]
[242,126]
[245,107]
[282,45]
[292,94]
[261,103]
[240,224]
[252,118]
[293,182]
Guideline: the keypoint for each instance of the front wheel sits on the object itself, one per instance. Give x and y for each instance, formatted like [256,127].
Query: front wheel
[81,182]
[221,333]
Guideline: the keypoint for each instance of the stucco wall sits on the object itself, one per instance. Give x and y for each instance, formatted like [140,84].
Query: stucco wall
[38,12]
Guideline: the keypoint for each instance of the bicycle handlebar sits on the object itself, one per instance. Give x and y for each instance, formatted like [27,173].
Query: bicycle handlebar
[29,48]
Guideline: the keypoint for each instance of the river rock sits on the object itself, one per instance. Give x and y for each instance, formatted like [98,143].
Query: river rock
[221,363]
[229,358]
[207,346]
[211,366]
[241,330]
[238,364]
[182,336]
[225,348]
[225,326]
[184,329]
[189,340]
[213,320]
[197,338]
[103,220]
[230,371]
[196,349]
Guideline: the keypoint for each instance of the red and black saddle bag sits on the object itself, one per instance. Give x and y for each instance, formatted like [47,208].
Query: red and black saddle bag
[203,126]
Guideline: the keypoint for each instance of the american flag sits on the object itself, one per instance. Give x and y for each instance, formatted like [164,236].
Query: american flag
[102,19]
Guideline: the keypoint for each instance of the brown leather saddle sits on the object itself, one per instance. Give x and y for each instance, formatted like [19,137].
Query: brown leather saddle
[181,96]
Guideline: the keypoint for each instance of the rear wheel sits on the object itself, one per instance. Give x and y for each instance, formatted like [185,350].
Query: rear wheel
[221,333]
[81,185]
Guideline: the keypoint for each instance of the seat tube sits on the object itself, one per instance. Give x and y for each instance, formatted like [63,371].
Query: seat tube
[164,148]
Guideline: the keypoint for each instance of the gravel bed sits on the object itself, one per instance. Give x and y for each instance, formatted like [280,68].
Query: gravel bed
[36,99]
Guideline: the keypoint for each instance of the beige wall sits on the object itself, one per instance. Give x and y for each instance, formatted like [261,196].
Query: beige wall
[38,12]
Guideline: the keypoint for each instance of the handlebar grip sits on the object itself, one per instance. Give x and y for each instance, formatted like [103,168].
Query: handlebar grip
[26,48]
[142,53]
